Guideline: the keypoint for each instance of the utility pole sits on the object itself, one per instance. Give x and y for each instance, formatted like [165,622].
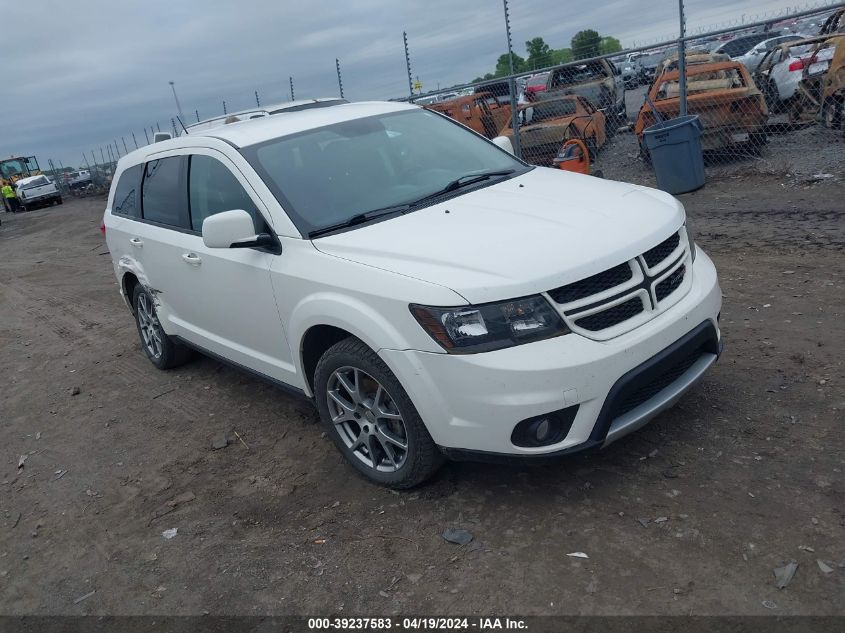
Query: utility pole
[292,98]
[682,60]
[517,149]
[134,140]
[147,136]
[197,112]
[116,149]
[224,107]
[257,102]
[178,105]
[339,80]
[102,155]
[408,66]
[125,149]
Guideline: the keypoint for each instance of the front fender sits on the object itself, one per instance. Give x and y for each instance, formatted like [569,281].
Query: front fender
[378,328]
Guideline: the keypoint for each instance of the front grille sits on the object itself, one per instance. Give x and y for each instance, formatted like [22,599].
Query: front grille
[644,392]
[612,316]
[593,285]
[670,284]
[660,252]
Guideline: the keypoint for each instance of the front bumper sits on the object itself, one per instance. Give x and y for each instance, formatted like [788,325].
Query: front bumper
[473,402]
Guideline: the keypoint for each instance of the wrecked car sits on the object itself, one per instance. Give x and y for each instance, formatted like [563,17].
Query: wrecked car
[598,81]
[821,92]
[723,95]
[545,126]
[481,112]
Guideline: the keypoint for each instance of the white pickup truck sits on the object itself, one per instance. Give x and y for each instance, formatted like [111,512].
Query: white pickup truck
[36,190]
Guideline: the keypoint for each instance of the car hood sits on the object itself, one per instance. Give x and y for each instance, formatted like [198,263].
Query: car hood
[529,234]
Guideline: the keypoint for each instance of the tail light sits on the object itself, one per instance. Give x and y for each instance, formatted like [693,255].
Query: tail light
[103,228]
[798,64]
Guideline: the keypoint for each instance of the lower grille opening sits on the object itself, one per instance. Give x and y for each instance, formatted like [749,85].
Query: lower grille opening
[612,316]
[641,393]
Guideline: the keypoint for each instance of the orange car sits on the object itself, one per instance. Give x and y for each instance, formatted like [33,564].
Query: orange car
[546,125]
[723,95]
[481,112]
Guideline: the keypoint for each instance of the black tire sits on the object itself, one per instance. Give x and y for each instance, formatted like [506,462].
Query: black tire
[592,149]
[832,114]
[422,457]
[644,153]
[171,353]
[59,200]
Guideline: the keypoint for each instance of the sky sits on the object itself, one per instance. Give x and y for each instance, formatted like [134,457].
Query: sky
[80,75]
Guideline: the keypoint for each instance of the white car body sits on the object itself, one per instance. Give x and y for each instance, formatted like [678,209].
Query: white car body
[752,58]
[36,190]
[531,234]
[788,69]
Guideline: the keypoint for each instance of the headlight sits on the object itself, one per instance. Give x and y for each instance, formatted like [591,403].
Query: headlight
[491,326]
[690,239]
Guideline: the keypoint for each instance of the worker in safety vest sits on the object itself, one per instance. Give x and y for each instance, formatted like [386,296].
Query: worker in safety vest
[9,198]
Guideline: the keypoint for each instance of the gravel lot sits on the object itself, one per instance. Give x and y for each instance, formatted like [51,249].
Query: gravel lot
[688,516]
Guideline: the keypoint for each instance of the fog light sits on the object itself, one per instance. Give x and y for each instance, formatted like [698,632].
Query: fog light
[544,430]
[541,430]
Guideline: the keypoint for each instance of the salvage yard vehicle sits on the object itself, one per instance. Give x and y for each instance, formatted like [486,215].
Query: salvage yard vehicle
[820,93]
[17,167]
[535,85]
[434,295]
[598,81]
[481,112]
[36,191]
[752,58]
[780,72]
[545,126]
[723,95]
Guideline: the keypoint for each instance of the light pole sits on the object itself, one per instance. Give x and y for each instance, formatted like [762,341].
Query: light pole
[178,105]
[514,115]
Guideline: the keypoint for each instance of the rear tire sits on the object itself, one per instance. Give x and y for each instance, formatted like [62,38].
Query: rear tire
[832,114]
[371,419]
[161,349]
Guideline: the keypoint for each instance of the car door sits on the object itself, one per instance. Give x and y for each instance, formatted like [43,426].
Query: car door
[227,305]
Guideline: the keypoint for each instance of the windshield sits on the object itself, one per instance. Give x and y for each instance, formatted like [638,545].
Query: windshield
[38,182]
[328,175]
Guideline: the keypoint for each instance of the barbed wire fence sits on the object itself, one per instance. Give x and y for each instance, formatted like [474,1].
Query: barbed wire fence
[603,103]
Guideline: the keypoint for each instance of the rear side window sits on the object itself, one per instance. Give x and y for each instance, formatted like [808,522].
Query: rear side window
[165,198]
[213,188]
[126,200]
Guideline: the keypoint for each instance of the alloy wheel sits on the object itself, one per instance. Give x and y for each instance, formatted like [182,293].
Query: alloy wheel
[367,419]
[148,324]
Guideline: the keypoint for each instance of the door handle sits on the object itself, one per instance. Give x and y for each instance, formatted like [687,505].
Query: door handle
[192,258]
[136,242]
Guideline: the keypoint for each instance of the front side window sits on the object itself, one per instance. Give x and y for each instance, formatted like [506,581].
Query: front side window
[212,188]
[126,199]
[164,194]
[331,174]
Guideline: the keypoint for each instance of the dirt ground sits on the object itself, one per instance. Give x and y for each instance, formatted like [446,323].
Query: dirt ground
[690,515]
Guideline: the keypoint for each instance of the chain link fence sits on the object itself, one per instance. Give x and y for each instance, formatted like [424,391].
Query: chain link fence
[766,94]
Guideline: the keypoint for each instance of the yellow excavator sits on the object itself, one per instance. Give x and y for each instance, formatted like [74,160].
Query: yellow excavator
[16,167]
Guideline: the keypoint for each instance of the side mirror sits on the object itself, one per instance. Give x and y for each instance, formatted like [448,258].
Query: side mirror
[229,229]
[504,143]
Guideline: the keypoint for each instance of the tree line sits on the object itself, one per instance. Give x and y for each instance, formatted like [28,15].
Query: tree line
[584,44]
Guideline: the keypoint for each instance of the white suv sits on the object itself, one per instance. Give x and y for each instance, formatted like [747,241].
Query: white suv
[431,293]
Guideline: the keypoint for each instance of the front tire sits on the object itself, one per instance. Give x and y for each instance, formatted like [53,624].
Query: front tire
[161,349]
[371,419]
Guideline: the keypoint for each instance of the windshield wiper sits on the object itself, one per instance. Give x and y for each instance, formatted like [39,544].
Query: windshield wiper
[360,218]
[463,181]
